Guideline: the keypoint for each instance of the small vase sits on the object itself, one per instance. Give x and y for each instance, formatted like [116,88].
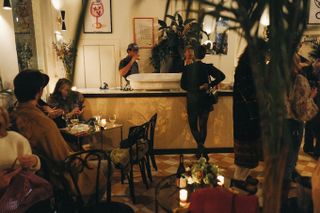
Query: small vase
[68,72]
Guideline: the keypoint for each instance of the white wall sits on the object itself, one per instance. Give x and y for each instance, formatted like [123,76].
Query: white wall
[123,12]
[8,54]
[114,44]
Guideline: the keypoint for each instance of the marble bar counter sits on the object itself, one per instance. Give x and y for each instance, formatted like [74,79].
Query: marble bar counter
[172,134]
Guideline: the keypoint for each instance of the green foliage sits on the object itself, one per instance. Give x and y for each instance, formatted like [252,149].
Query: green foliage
[315,53]
[202,173]
[25,54]
[175,37]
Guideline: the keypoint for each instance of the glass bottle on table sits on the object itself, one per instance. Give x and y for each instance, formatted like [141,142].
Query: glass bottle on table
[180,180]
[65,118]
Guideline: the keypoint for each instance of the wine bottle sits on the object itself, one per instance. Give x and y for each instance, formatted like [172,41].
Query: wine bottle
[180,171]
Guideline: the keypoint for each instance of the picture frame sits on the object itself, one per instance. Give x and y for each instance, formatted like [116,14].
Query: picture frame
[99,17]
[314,12]
[143,32]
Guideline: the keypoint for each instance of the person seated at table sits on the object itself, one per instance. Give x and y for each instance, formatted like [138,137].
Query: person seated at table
[52,113]
[14,146]
[41,131]
[15,156]
[63,98]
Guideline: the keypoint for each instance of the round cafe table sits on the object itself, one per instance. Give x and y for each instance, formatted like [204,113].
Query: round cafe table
[167,194]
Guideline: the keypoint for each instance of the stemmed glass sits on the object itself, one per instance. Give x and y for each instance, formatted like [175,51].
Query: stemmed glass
[65,118]
[97,119]
[113,119]
[75,120]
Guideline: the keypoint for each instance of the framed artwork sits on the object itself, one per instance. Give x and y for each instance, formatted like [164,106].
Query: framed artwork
[143,32]
[99,17]
[23,20]
[314,12]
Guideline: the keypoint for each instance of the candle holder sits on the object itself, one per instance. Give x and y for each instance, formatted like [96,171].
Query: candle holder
[183,195]
[220,179]
[103,122]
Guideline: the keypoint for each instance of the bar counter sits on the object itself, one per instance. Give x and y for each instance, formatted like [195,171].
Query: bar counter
[172,133]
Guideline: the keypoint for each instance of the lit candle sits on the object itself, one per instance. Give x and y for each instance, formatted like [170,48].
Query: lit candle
[221,180]
[183,195]
[103,122]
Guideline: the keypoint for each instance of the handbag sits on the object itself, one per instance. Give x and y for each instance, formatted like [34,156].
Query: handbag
[212,93]
[251,107]
[303,109]
[25,190]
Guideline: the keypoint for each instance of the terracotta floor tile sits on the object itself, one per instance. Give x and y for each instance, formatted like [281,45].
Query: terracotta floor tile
[167,165]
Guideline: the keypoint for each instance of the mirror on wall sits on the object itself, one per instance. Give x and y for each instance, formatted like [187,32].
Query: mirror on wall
[217,29]
[24,34]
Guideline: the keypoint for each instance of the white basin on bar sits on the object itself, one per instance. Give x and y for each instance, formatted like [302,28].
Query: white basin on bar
[155,81]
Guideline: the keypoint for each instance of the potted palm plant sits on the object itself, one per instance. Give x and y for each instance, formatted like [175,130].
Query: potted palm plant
[167,55]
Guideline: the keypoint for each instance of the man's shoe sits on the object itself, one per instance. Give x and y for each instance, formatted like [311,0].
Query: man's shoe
[308,151]
[243,185]
[251,180]
[295,175]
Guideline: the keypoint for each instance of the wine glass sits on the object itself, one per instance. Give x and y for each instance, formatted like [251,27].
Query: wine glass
[65,118]
[97,119]
[113,119]
[74,120]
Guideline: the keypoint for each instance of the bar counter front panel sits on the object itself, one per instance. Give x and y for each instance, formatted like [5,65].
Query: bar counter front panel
[172,134]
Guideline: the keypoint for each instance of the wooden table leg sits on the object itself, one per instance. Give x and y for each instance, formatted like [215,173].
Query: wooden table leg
[121,133]
[101,138]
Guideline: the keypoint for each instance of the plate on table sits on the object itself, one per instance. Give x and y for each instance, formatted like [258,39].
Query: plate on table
[79,129]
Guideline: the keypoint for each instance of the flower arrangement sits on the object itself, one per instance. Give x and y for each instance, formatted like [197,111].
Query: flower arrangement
[66,52]
[202,173]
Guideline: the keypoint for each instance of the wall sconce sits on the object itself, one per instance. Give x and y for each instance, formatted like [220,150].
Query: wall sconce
[7,5]
[265,22]
[61,20]
[265,18]
[56,4]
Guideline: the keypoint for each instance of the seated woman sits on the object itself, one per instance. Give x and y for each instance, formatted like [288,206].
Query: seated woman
[71,102]
[52,113]
[15,155]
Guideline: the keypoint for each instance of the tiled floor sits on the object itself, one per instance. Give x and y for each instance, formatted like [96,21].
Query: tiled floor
[167,164]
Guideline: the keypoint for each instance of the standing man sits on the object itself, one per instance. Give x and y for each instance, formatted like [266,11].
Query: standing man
[312,73]
[129,65]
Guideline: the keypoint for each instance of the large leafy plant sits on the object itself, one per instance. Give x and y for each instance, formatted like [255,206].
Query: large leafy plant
[174,38]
